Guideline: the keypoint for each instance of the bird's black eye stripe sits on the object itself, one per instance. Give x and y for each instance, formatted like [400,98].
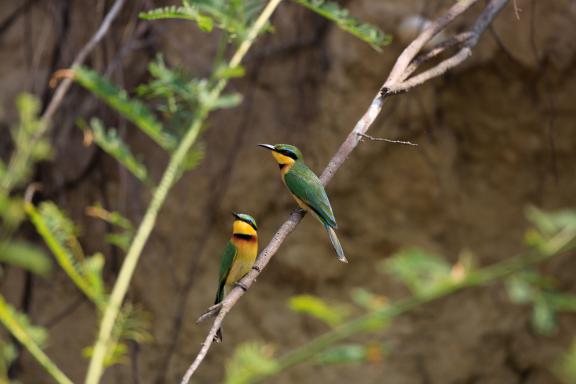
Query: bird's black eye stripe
[243,236]
[289,153]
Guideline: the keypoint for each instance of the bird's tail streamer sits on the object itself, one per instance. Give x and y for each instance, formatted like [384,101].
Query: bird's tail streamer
[336,244]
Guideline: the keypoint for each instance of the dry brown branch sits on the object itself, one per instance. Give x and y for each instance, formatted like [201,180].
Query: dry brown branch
[435,51]
[395,83]
[79,60]
[466,41]
[372,138]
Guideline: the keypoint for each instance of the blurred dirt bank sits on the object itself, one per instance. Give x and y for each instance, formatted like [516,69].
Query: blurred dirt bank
[494,135]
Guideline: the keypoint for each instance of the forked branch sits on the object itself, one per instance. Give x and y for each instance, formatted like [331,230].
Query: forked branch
[399,80]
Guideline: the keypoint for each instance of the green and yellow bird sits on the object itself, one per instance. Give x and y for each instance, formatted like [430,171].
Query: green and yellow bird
[238,258]
[306,188]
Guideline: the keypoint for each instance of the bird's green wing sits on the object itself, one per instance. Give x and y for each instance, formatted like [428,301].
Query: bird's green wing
[225,266]
[306,186]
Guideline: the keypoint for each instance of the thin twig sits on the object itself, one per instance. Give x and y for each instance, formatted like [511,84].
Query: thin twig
[466,41]
[386,140]
[392,84]
[426,35]
[435,71]
[79,60]
[9,20]
[435,51]
[517,10]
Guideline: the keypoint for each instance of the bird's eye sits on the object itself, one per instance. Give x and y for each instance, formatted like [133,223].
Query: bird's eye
[289,153]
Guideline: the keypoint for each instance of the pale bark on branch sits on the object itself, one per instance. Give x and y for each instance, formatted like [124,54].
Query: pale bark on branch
[399,80]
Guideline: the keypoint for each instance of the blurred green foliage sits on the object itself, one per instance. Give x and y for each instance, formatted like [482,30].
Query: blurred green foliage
[235,17]
[163,112]
[232,16]
[60,235]
[419,270]
[351,354]
[428,277]
[26,256]
[124,230]
[86,272]
[341,17]
[330,314]
[112,144]
[131,109]
[185,12]
[133,324]
[565,368]
[250,360]
[28,148]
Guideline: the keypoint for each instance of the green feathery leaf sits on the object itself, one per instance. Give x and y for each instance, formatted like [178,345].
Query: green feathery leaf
[59,234]
[113,145]
[233,16]
[26,256]
[132,110]
[186,12]
[340,16]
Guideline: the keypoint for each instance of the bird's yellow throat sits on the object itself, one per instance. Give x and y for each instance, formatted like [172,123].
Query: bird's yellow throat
[284,161]
[242,228]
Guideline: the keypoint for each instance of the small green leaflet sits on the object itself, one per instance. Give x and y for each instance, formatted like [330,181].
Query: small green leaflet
[185,12]
[131,109]
[112,143]
[332,11]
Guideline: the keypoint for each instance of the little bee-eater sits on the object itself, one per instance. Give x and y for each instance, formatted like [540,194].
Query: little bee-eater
[238,258]
[306,189]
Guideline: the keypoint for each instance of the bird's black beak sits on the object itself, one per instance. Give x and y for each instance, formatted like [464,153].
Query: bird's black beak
[267,146]
[235,215]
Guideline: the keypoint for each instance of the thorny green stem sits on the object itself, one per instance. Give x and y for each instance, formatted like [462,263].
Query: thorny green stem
[171,173]
[112,308]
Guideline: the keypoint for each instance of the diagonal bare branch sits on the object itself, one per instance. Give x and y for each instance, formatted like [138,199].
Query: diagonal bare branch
[466,41]
[79,59]
[407,63]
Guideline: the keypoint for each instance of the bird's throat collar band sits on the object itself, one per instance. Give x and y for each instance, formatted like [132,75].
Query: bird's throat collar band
[243,236]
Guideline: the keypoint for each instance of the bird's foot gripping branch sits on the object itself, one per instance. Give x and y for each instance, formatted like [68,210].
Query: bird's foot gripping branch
[210,313]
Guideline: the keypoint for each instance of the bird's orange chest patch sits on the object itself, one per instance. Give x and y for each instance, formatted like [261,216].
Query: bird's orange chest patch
[284,162]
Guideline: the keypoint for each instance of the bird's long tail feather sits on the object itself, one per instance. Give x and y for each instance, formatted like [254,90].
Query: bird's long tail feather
[336,244]
[219,298]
